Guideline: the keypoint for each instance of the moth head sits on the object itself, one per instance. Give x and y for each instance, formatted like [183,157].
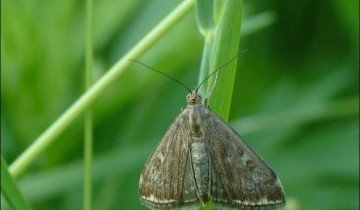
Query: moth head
[193,98]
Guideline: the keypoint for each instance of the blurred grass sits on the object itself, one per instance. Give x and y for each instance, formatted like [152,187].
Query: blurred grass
[295,98]
[48,137]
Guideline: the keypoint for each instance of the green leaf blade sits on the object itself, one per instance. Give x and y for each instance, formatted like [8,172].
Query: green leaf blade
[10,191]
[225,47]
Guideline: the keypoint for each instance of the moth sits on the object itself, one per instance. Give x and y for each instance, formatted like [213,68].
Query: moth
[201,159]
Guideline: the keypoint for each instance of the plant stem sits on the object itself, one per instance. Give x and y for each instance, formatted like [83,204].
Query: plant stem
[88,121]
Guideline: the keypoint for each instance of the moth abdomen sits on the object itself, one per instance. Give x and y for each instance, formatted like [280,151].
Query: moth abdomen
[201,166]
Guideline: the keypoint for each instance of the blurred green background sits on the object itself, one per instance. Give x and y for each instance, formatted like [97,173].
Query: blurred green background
[295,100]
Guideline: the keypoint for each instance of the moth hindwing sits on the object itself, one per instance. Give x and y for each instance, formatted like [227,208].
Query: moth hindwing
[201,159]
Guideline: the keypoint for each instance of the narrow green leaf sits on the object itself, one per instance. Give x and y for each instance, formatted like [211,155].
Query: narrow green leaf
[10,190]
[225,47]
[220,46]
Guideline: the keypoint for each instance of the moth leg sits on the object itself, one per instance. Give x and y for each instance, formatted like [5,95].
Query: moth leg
[205,102]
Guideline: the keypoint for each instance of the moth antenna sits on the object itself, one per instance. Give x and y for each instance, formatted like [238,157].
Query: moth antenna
[217,70]
[168,76]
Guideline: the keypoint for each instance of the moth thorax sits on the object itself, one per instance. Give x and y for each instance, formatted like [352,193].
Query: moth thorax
[196,120]
[201,166]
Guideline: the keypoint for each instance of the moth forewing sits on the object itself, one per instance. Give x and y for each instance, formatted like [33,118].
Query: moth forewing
[166,180]
[245,178]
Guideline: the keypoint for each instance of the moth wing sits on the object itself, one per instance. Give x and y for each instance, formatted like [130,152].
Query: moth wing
[240,178]
[166,180]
